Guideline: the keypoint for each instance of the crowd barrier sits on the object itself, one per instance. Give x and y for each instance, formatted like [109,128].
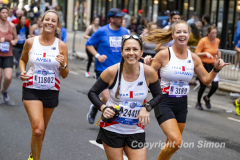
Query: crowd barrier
[226,74]
[76,43]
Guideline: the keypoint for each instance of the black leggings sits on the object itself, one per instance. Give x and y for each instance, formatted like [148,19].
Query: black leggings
[90,59]
[214,87]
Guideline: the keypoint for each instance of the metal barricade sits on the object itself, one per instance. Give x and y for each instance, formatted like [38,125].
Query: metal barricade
[76,44]
[226,74]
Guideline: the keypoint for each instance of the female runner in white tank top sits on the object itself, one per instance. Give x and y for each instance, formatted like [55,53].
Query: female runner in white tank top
[177,65]
[128,84]
[48,61]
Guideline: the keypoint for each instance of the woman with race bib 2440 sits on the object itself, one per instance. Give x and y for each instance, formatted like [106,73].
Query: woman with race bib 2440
[128,83]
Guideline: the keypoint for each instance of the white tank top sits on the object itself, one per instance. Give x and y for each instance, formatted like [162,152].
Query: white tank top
[177,73]
[43,67]
[132,95]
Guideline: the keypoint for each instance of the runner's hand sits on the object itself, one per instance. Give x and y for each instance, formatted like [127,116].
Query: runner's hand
[13,42]
[108,113]
[147,60]
[60,59]
[24,76]
[219,63]
[2,39]
[102,58]
[208,55]
[143,117]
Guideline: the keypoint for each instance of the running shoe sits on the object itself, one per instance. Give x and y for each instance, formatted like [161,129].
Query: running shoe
[95,76]
[30,158]
[199,106]
[207,102]
[5,96]
[91,114]
[87,74]
[237,106]
[234,68]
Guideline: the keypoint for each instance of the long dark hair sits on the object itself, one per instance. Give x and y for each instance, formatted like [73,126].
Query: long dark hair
[19,20]
[195,31]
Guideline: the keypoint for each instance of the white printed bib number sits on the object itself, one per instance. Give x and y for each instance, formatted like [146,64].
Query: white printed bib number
[178,89]
[21,38]
[44,79]
[115,43]
[4,46]
[129,112]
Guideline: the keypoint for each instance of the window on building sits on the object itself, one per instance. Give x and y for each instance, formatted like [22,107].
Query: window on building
[220,18]
[207,7]
[230,28]
[185,8]
[214,12]
[155,10]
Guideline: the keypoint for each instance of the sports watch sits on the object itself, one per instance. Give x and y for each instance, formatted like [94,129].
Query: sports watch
[147,106]
[65,66]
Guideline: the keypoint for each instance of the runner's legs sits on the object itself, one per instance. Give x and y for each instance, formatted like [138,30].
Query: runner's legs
[38,117]
[7,78]
[113,153]
[135,154]
[173,131]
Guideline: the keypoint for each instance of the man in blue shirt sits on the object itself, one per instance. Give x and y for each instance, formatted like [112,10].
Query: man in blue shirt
[108,39]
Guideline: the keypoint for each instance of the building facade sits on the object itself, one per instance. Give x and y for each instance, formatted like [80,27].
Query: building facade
[224,13]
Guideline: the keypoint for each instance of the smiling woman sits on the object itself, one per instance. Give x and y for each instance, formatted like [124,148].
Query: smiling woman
[48,61]
[128,83]
[176,65]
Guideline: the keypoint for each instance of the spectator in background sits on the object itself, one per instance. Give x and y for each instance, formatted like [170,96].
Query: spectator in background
[141,26]
[139,16]
[126,17]
[236,58]
[36,28]
[200,27]
[124,25]
[60,14]
[182,17]
[133,26]
[206,24]
[148,48]
[23,34]
[194,38]
[88,33]
[10,15]
[194,19]
[19,14]
[207,50]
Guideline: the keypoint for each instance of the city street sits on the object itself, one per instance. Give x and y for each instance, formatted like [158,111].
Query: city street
[208,135]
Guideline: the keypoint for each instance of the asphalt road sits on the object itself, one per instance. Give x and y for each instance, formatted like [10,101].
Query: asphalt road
[70,137]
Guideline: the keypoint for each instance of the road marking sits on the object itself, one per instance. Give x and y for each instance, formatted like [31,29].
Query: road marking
[189,106]
[101,146]
[72,72]
[233,119]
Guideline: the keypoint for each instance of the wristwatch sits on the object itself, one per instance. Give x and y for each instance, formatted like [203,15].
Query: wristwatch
[147,106]
[65,66]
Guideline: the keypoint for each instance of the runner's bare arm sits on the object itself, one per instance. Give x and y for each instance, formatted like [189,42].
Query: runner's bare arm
[161,59]
[86,34]
[205,77]
[24,58]
[15,37]
[32,30]
[63,51]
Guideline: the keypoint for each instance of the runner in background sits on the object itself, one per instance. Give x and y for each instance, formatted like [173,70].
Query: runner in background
[48,60]
[19,13]
[88,33]
[23,34]
[36,28]
[10,15]
[8,38]
[108,39]
[236,58]
[236,103]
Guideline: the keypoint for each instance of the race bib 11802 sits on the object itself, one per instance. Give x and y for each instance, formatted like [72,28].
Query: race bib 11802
[178,89]
[43,79]
[129,112]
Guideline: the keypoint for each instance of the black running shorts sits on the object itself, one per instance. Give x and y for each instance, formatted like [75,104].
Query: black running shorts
[6,62]
[171,108]
[49,98]
[116,140]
